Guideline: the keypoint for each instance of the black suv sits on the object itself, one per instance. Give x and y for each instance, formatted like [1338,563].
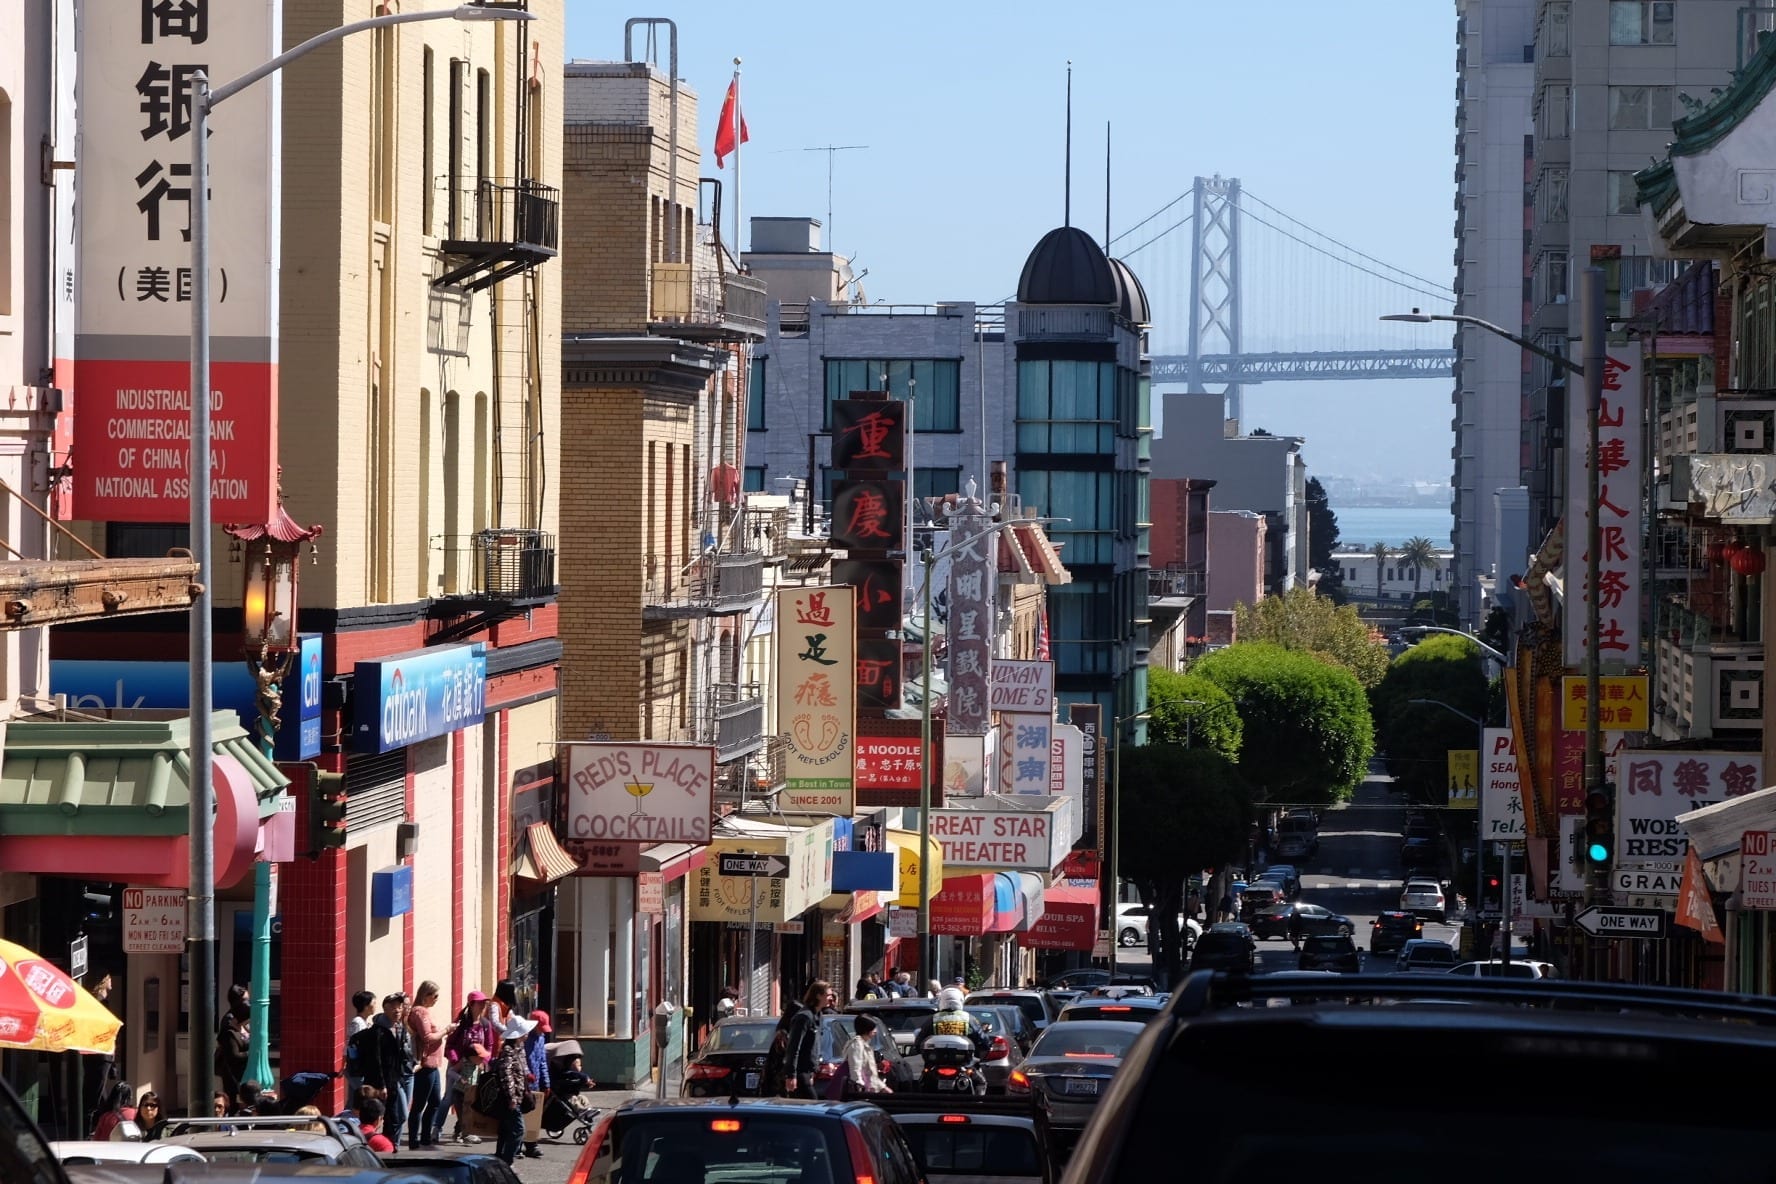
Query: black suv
[1393,929]
[1520,1045]
[689,1141]
[1226,946]
[1330,951]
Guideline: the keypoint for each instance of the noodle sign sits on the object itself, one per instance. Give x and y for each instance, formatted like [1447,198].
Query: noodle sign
[639,793]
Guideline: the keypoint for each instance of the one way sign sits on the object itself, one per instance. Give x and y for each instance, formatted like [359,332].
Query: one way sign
[775,867]
[1612,922]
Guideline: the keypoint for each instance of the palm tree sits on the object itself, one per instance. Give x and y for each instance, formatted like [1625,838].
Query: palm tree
[1381,553]
[1418,553]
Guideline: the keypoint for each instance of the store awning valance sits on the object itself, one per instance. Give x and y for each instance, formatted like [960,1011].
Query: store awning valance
[906,846]
[542,860]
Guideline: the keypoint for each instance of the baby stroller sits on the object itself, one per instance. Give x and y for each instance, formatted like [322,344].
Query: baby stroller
[566,1082]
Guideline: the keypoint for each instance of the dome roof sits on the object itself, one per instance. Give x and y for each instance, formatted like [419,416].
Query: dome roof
[1067,268]
[1131,297]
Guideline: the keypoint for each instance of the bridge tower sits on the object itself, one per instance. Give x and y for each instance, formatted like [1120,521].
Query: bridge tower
[1214,283]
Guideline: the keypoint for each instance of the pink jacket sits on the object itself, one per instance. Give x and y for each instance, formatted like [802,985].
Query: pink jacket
[428,1037]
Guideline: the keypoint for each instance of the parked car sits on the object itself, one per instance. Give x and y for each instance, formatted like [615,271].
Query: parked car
[1296,846]
[456,1169]
[1393,929]
[1131,926]
[1274,921]
[1498,968]
[1330,951]
[91,1151]
[1034,1004]
[1286,874]
[1425,954]
[273,1140]
[731,1062]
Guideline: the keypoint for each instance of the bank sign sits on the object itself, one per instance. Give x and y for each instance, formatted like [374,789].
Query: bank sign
[418,696]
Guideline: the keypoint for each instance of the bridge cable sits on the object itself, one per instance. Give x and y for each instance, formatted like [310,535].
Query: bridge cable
[1132,252]
[1152,216]
[1445,296]
[1329,238]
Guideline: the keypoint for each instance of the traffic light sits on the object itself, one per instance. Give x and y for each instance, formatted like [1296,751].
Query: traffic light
[1493,900]
[1599,835]
[326,812]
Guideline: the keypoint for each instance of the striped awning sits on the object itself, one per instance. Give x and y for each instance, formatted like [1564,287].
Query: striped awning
[542,859]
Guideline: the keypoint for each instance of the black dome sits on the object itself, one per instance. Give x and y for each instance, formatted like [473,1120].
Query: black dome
[1131,298]
[1067,268]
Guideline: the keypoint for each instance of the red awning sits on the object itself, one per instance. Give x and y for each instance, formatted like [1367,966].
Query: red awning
[965,906]
[1069,920]
[543,861]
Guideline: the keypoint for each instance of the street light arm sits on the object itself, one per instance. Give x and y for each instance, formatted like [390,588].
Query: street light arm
[1446,707]
[1495,655]
[466,12]
[1422,318]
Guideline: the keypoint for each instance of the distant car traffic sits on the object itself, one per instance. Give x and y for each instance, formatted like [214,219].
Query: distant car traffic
[1424,898]
[1423,954]
[1070,1068]
[1274,921]
[1227,945]
[1393,929]
[1515,968]
[1332,951]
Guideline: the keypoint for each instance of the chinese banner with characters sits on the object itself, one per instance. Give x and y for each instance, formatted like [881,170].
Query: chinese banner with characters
[1501,789]
[878,673]
[969,625]
[1025,753]
[1619,481]
[1066,773]
[869,435]
[878,590]
[1653,788]
[1464,778]
[869,514]
[887,762]
[1623,699]
[132,347]
[817,697]
[1089,719]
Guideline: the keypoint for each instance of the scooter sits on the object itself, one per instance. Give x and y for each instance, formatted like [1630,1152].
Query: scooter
[951,1066]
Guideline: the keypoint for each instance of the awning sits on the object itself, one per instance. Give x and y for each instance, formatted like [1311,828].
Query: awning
[1027,554]
[1069,920]
[674,860]
[906,846]
[965,906]
[110,799]
[1031,894]
[1715,830]
[542,860]
[861,906]
[1008,909]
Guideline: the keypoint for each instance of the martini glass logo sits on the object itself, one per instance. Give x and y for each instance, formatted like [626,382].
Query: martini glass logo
[638,789]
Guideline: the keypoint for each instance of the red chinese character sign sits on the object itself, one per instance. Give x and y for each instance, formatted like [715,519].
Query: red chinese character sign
[968,623]
[869,515]
[132,347]
[1619,479]
[878,590]
[817,697]
[869,435]
[1654,787]
[878,673]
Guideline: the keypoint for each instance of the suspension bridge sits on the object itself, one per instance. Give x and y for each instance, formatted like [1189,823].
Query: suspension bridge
[1222,237]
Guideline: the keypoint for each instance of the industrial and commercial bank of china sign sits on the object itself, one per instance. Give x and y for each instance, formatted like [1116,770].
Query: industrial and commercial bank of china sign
[817,697]
[1618,463]
[132,363]
[639,793]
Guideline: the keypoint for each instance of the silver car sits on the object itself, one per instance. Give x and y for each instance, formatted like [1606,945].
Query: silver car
[1070,1066]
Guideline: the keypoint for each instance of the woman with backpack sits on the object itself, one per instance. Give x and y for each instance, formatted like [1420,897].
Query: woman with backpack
[468,1051]
[799,1062]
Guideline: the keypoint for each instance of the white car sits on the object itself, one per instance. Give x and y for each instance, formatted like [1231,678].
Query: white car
[1423,898]
[1131,926]
[1526,968]
[87,1151]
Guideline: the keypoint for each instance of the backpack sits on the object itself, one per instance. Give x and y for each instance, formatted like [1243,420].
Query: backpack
[489,1094]
[364,1053]
[776,1061]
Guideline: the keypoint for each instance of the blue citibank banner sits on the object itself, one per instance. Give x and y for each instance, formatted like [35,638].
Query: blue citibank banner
[104,685]
[418,696]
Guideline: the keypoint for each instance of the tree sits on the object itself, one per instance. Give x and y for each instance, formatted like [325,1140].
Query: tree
[1322,540]
[1418,553]
[1192,712]
[1381,552]
[1312,715]
[1313,624]
[1182,810]
[1417,737]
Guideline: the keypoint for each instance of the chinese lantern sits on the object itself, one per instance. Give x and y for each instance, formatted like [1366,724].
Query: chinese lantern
[1747,560]
[1715,552]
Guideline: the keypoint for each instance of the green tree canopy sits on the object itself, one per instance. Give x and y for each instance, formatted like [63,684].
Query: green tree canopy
[1417,737]
[1309,720]
[1188,707]
[1182,810]
[1322,540]
[1302,620]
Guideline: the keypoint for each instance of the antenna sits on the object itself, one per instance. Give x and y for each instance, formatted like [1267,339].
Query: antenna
[1106,188]
[1067,198]
[831,150]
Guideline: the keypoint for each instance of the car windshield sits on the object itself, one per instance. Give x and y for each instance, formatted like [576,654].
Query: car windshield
[837,1032]
[732,1037]
[1030,1005]
[1089,1041]
[953,1150]
[904,1020]
[751,1146]
[262,1155]
[1431,954]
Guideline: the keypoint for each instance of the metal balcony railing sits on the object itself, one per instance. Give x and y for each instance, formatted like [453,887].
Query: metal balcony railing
[496,228]
[736,719]
[726,581]
[515,564]
[692,300]
[1165,583]
[739,581]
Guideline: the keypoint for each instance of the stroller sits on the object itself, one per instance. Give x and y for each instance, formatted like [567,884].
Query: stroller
[566,1082]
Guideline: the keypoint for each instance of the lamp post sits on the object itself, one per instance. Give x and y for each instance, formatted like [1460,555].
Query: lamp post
[200,924]
[1116,826]
[1479,841]
[1592,331]
[1490,654]
[1216,708]
[927,947]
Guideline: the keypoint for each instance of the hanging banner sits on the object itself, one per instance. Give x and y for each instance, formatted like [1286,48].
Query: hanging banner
[878,673]
[1619,475]
[1501,789]
[968,623]
[1023,687]
[132,348]
[817,697]
[1464,777]
[1089,719]
[1622,703]
[878,590]
[869,436]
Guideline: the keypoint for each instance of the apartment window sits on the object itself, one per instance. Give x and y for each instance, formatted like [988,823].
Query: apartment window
[1620,194]
[752,479]
[1551,278]
[1639,108]
[936,482]
[755,396]
[935,385]
[1642,22]
[1066,406]
[453,212]
[1556,39]
[428,164]
[1554,116]
[1551,196]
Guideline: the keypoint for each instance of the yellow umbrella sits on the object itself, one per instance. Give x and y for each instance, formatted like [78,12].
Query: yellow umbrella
[41,1007]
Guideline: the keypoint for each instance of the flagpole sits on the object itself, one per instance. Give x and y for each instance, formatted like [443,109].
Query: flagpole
[736,130]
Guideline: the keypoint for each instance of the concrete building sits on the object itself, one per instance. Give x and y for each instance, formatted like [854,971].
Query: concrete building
[1397,579]
[1236,540]
[1495,82]
[1263,473]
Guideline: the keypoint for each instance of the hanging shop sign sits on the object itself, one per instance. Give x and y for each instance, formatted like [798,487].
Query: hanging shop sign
[968,621]
[1622,703]
[807,882]
[1089,719]
[1026,688]
[869,514]
[1501,789]
[878,673]
[639,793]
[869,435]
[817,697]
[878,585]
[1026,752]
[418,696]
[1618,509]
[1008,840]
[1653,788]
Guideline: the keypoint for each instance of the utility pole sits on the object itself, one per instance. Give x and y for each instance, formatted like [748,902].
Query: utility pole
[832,150]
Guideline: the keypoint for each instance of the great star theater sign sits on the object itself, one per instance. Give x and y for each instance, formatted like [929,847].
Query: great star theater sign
[1009,840]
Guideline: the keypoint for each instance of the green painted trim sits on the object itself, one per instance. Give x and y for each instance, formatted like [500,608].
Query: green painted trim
[1656,185]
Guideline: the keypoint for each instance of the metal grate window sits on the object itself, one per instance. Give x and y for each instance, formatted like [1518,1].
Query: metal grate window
[375,790]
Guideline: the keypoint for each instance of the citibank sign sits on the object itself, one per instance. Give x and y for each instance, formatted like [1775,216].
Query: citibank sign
[418,696]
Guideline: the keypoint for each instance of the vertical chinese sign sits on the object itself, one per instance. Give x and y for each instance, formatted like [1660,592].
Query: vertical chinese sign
[1089,719]
[817,697]
[1618,510]
[869,523]
[132,349]
[974,575]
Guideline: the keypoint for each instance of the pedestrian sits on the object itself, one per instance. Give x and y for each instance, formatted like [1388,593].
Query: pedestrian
[400,1057]
[426,1110]
[219,1105]
[230,1062]
[774,1078]
[1224,911]
[1295,927]
[502,1007]
[363,1012]
[246,1099]
[150,1115]
[469,1051]
[511,1094]
[800,1051]
[98,1070]
[866,989]
[862,1074]
[892,983]
[370,1112]
[118,1108]
[536,1058]
[933,988]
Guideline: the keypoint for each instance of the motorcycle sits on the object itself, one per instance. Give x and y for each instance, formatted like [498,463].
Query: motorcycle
[951,1066]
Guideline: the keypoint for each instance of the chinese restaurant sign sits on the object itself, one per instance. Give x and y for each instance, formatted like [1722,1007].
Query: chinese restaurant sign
[1653,788]
[969,627]
[1025,753]
[878,590]
[869,435]
[1618,462]
[878,673]
[132,349]
[869,514]
[1623,699]
[1023,686]
[817,697]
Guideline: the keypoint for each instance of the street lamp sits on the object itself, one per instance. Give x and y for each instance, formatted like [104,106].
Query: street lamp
[1479,840]
[200,937]
[1116,827]
[1216,708]
[1592,330]
[928,948]
[1491,654]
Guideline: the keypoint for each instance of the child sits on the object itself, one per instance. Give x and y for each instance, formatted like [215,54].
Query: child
[370,1112]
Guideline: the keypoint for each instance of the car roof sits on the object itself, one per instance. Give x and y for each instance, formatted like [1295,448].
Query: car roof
[1395,914]
[1003,992]
[780,1107]
[304,1142]
[1426,880]
[1132,1003]
[1420,942]
[119,1151]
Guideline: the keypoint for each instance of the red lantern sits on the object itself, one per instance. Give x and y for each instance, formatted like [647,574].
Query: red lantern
[1748,561]
[1715,551]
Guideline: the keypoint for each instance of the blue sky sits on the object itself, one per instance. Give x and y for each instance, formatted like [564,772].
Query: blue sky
[1338,112]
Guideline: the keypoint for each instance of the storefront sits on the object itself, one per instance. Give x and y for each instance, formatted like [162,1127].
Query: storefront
[1067,928]
[902,945]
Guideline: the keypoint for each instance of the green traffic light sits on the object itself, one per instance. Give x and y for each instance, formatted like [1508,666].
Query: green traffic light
[1597,853]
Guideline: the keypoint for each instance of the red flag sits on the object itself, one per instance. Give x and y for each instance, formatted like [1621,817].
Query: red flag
[1695,907]
[1042,652]
[724,128]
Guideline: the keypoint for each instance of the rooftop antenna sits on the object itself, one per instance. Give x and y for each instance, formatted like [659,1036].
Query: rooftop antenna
[1106,187]
[1067,199]
[831,150]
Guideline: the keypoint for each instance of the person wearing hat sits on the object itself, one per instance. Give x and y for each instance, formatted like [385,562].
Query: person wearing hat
[536,1058]
[469,1051]
[513,1096]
